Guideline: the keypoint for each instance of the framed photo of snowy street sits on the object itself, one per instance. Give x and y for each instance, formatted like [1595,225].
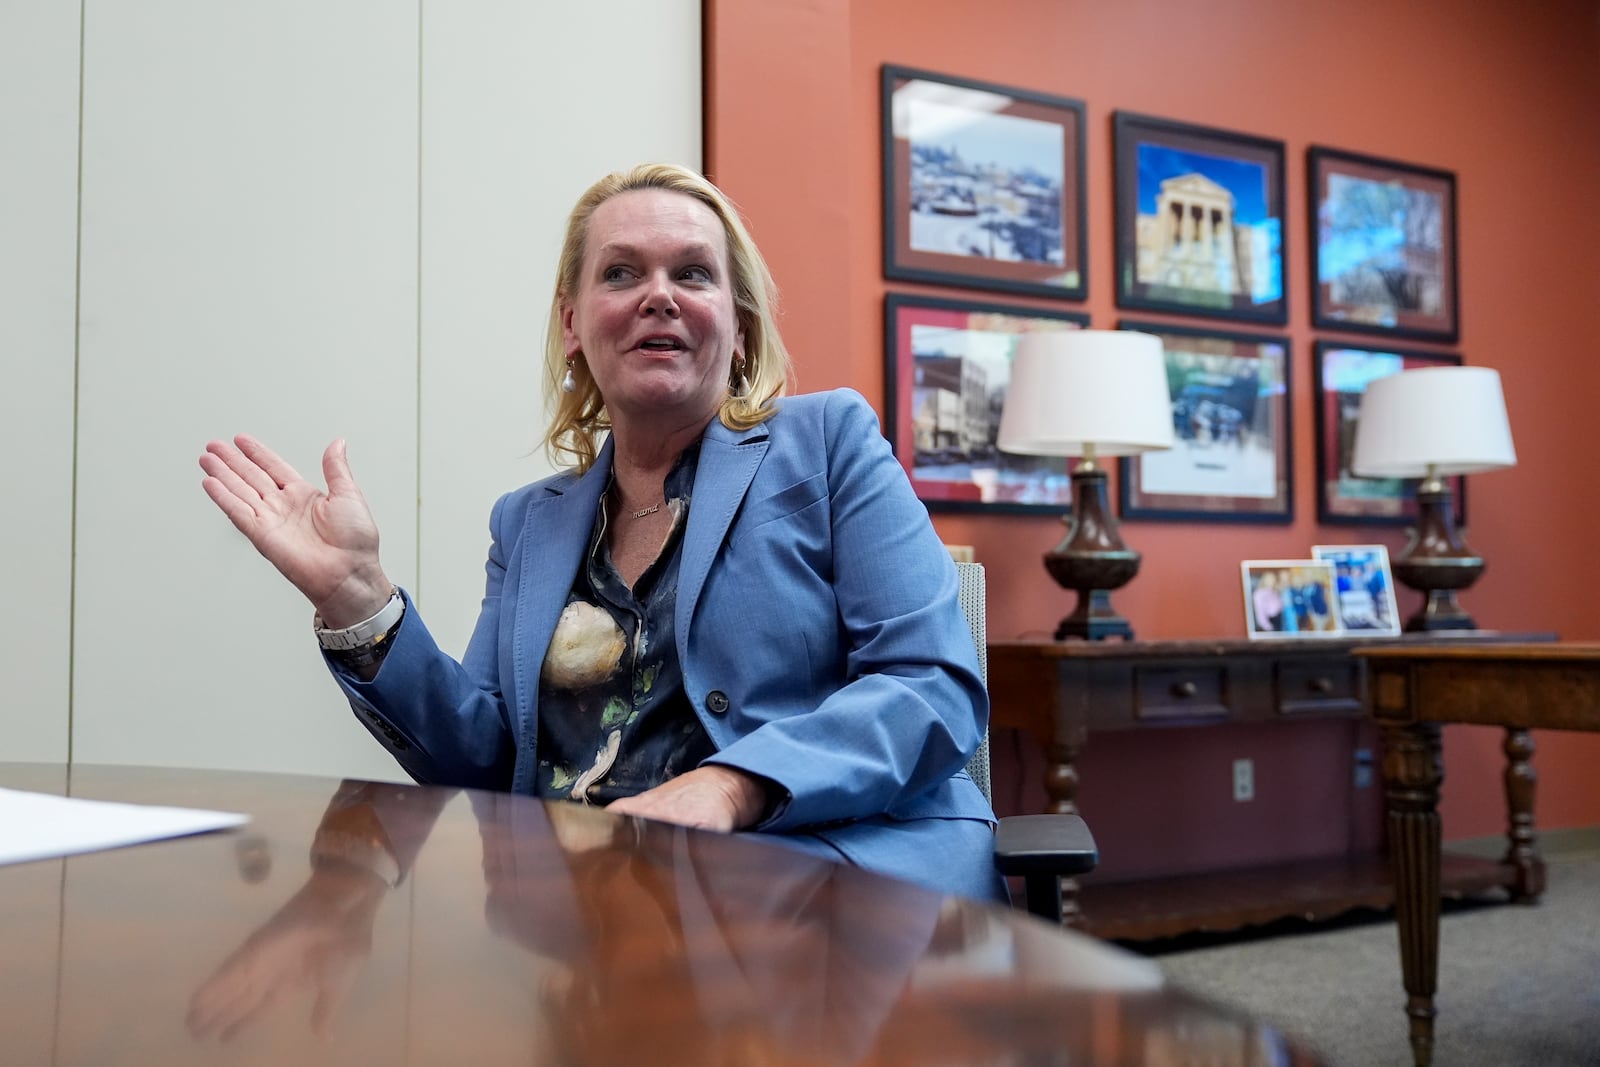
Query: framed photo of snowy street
[983,186]
[1199,220]
[1232,459]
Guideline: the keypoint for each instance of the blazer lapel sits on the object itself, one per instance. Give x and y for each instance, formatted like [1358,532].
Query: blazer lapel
[555,536]
[728,462]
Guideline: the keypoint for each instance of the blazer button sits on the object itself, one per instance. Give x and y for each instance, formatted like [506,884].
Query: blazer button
[716,702]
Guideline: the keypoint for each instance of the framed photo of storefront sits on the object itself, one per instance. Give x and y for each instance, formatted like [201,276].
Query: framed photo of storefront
[1383,240]
[1199,220]
[947,365]
[1343,372]
[983,185]
[1232,458]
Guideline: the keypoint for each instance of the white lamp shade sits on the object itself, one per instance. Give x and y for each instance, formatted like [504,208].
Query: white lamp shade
[1452,419]
[1069,389]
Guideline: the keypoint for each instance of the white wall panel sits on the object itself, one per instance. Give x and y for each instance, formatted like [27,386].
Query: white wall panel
[249,262]
[303,220]
[524,105]
[38,260]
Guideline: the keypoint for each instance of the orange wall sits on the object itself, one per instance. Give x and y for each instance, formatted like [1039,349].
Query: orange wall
[1503,92]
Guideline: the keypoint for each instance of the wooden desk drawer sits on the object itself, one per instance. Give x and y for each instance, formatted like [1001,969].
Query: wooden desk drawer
[1180,692]
[1325,685]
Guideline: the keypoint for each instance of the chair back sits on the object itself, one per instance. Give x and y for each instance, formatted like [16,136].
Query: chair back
[974,590]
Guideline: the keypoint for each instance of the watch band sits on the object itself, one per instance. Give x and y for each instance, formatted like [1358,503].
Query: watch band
[364,632]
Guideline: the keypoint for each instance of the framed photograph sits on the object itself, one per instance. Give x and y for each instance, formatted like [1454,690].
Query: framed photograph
[1232,460]
[1343,372]
[983,186]
[1364,587]
[1288,598]
[947,366]
[1383,241]
[1199,227]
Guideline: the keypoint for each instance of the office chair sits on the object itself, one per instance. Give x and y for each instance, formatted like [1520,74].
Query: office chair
[1041,849]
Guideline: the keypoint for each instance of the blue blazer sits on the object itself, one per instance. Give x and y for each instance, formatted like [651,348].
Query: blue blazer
[819,631]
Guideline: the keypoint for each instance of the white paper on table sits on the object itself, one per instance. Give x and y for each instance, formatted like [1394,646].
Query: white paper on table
[36,826]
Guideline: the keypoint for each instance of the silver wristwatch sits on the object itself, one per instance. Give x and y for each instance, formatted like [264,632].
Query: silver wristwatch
[362,633]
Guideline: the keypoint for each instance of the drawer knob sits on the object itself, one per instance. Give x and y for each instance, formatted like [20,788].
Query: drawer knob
[1320,685]
[1184,690]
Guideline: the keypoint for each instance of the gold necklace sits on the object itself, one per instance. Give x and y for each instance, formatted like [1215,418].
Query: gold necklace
[651,510]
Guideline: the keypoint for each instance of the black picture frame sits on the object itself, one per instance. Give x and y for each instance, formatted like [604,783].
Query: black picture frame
[1199,220]
[946,365]
[1343,371]
[983,185]
[1233,453]
[1383,246]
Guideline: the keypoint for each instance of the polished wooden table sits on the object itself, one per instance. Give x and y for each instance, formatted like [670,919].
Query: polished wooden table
[1414,690]
[353,922]
[1062,692]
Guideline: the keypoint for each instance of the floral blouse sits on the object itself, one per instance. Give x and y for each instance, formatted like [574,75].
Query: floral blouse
[613,717]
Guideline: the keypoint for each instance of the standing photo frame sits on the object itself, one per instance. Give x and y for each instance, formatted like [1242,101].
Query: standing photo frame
[1364,586]
[947,365]
[1343,372]
[1199,220]
[1383,246]
[1290,598]
[983,186]
[1233,453]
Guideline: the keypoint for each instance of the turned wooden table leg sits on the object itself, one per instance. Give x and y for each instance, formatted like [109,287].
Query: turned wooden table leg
[1061,789]
[1522,851]
[1412,771]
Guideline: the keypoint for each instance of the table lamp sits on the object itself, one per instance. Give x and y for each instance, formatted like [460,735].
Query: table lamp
[1432,423]
[1092,394]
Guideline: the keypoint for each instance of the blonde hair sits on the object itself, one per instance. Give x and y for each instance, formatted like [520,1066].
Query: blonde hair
[578,418]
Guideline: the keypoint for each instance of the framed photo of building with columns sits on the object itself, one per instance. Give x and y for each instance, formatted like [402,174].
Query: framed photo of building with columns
[1199,220]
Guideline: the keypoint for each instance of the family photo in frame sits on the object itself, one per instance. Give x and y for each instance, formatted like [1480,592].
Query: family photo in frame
[1363,586]
[983,185]
[1290,598]
[947,367]
[1232,458]
[1199,220]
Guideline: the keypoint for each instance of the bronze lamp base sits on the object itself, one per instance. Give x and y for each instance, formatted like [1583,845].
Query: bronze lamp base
[1092,560]
[1438,562]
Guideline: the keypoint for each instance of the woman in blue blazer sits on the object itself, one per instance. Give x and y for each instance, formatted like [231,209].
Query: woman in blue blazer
[731,612]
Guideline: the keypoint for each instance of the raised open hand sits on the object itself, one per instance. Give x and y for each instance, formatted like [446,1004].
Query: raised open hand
[325,543]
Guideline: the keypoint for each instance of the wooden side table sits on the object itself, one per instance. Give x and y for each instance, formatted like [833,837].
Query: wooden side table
[1415,690]
[1061,692]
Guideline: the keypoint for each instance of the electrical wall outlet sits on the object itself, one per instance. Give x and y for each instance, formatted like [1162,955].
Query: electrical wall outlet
[1244,779]
[1363,768]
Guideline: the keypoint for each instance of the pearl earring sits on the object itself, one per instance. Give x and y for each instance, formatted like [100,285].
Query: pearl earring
[568,385]
[741,386]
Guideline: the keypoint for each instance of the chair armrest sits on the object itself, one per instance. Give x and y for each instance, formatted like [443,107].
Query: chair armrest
[1044,844]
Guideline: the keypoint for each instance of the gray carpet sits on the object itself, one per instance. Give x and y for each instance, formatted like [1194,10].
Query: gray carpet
[1518,986]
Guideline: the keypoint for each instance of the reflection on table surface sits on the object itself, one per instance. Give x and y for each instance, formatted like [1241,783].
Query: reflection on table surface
[353,922]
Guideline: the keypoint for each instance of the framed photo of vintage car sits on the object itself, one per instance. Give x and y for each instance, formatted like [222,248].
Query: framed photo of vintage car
[1199,220]
[947,367]
[1232,458]
[983,185]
